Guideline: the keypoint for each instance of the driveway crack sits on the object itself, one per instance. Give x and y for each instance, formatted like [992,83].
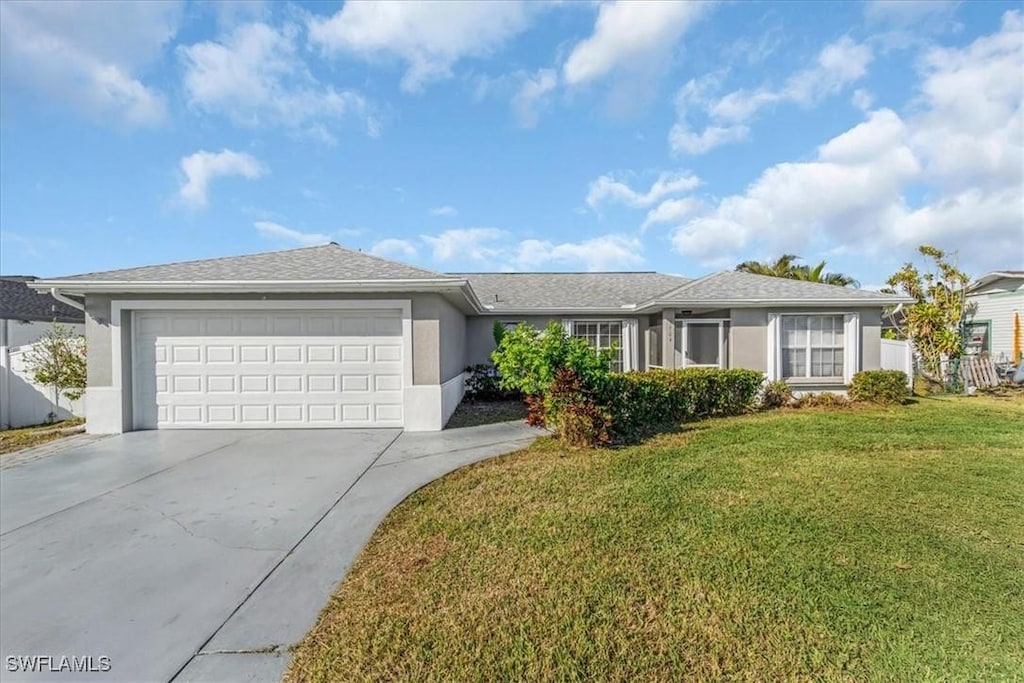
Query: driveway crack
[193,534]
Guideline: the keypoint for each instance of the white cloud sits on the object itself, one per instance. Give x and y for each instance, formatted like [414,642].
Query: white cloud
[630,34]
[203,167]
[474,244]
[837,65]
[607,189]
[949,173]
[682,139]
[394,248]
[88,54]
[444,211]
[256,76]
[862,99]
[276,231]
[607,252]
[531,96]
[428,36]
[671,211]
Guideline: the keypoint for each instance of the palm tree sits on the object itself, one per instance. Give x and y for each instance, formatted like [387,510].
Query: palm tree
[786,266]
[782,267]
[818,274]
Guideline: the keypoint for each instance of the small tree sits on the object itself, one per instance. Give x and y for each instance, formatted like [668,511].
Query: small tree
[528,359]
[934,323]
[57,360]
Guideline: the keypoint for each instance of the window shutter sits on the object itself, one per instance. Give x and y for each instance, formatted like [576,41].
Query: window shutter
[772,367]
[851,346]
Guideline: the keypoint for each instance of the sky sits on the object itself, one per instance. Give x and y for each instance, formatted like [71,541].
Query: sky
[501,136]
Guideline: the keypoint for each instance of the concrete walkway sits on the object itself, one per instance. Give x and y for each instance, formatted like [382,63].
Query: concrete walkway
[202,556]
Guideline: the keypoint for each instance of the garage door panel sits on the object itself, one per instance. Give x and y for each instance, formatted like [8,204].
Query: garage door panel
[279,369]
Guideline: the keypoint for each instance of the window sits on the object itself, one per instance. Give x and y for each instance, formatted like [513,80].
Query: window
[977,339]
[602,336]
[812,346]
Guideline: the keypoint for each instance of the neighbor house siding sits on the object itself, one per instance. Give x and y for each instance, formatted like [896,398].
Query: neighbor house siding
[996,303]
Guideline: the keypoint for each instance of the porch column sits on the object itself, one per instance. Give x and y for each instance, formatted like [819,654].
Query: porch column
[668,338]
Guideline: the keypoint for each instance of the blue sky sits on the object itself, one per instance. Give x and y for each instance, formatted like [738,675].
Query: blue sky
[507,136]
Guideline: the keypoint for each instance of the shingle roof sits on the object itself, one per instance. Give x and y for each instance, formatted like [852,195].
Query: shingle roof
[326,262]
[18,301]
[522,291]
[732,285]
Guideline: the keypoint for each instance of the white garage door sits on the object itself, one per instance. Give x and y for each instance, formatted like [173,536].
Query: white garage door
[221,369]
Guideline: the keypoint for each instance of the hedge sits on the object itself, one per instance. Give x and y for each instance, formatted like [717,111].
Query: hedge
[641,401]
[880,386]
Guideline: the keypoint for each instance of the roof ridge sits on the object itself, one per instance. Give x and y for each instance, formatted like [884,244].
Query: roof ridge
[570,272]
[381,258]
[208,260]
[683,286]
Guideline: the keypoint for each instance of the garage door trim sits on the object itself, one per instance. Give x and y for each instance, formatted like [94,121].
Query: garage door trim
[119,307]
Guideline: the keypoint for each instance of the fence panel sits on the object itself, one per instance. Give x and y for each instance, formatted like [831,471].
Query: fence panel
[897,355]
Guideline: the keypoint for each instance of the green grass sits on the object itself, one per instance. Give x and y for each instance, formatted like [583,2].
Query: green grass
[13,440]
[867,544]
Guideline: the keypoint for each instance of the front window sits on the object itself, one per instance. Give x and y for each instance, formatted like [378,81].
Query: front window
[602,336]
[812,346]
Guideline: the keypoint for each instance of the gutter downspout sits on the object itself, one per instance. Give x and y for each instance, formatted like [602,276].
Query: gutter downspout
[64,299]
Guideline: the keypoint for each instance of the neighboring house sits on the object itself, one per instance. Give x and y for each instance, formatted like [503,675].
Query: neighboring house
[331,337]
[995,298]
[25,316]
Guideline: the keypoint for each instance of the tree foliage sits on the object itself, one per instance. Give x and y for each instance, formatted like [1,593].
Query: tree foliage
[58,360]
[786,266]
[528,359]
[934,322]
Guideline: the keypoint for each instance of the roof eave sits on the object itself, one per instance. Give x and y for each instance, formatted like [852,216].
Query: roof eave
[440,285]
[765,303]
[561,310]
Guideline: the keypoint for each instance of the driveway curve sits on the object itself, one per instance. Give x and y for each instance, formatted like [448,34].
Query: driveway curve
[200,555]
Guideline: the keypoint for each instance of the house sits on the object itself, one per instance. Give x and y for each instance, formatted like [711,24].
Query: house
[995,300]
[25,316]
[330,337]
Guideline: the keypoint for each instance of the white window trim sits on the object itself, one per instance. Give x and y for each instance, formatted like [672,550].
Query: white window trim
[851,344]
[684,323]
[630,356]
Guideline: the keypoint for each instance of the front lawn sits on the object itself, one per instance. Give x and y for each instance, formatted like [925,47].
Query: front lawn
[865,544]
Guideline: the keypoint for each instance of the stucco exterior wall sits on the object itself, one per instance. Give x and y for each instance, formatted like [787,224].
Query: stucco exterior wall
[427,309]
[748,338]
[480,332]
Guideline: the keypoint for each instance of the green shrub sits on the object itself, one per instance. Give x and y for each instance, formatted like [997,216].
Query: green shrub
[571,410]
[639,402]
[528,359]
[776,394]
[484,384]
[822,399]
[880,386]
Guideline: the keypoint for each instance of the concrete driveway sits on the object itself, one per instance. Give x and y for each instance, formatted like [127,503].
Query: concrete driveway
[200,555]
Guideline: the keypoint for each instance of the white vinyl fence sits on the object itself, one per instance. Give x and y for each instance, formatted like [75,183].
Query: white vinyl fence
[25,403]
[898,355]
